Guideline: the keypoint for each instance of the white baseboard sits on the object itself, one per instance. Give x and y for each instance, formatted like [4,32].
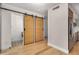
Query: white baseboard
[63,50]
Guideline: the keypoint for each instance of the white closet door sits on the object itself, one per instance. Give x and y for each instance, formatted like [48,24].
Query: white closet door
[16,26]
[5,29]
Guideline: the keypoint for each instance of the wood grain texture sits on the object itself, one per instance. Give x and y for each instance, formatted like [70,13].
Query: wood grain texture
[39,29]
[29,29]
[75,49]
[39,48]
[33,49]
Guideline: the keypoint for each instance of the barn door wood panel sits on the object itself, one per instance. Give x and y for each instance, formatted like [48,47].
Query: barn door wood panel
[39,29]
[28,29]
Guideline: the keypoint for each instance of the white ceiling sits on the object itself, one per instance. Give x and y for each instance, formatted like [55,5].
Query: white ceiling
[76,7]
[41,8]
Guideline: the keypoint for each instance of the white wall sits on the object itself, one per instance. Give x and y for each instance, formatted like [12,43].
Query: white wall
[5,29]
[16,26]
[58,27]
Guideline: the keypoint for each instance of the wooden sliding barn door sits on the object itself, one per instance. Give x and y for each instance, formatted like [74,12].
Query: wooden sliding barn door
[39,29]
[28,29]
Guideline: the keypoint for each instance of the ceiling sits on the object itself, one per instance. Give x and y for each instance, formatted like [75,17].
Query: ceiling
[40,8]
[76,7]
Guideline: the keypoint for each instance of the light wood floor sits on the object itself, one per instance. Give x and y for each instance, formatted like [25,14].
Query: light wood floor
[39,48]
[33,49]
[75,49]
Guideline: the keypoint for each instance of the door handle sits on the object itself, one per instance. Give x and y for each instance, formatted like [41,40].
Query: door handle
[24,29]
